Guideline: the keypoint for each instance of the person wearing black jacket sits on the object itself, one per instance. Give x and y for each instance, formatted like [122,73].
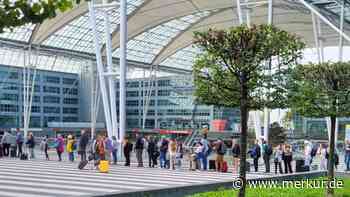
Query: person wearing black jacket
[287,157]
[31,144]
[255,153]
[236,151]
[139,149]
[127,150]
[83,142]
[152,151]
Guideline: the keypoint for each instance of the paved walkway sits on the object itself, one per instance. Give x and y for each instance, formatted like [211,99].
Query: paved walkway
[39,178]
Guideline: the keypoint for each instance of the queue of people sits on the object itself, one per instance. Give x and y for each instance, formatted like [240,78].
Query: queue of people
[168,152]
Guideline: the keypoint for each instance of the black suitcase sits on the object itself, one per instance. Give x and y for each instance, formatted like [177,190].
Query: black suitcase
[82,164]
[23,156]
[13,152]
[212,165]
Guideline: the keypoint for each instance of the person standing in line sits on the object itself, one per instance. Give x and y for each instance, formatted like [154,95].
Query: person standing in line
[109,149]
[127,150]
[198,151]
[59,145]
[6,143]
[255,153]
[322,152]
[287,158]
[220,152]
[278,158]
[151,149]
[179,153]
[44,146]
[100,148]
[163,151]
[83,142]
[31,144]
[236,151]
[204,154]
[115,146]
[70,148]
[139,149]
[172,153]
[347,155]
[308,152]
[267,152]
[19,142]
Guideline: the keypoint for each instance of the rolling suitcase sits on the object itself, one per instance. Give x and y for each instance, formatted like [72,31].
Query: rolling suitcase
[212,165]
[23,156]
[13,152]
[82,164]
[224,167]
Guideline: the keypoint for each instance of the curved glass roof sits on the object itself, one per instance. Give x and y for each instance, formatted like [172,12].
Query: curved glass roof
[160,31]
[77,34]
[146,46]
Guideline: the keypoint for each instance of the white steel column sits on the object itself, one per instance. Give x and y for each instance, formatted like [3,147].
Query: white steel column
[267,112]
[247,13]
[341,42]
[239,12]
[319,26]
[111,79]
[316,37]
[100,70]
[270,14]
[122,83]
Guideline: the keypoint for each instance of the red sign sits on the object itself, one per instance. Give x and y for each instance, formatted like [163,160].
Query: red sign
[219,125]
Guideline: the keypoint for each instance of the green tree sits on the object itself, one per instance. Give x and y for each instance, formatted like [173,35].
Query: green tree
[322,90]
[20,12]
[277,134]
[232,71]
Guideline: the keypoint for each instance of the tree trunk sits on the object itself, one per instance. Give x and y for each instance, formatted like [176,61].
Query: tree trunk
[243,137]
[330,191]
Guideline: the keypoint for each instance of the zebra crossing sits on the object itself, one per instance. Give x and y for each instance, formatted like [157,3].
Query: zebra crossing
[38,178]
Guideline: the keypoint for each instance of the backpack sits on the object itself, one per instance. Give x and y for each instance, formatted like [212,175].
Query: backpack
[139,143]
[100,148]
[269,150]
[74,146]
[222,149]
[314,151]
[236,150]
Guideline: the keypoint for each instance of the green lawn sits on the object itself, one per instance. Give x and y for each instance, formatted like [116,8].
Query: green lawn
[279,192]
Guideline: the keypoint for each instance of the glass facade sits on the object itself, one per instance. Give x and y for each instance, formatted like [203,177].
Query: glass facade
[52,90]
[170,105]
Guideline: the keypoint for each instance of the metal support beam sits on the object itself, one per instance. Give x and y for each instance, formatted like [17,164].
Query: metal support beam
[321,48]
[341,42]
[316,36]
[100,70]
[270,14]
[111,79]
[239,12]
[267,112]
[122,79]
[324,19]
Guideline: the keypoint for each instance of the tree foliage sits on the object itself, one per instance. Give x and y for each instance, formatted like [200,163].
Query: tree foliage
[20,12]
[321,90]
[232,71]
[242,50]
[277,134]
